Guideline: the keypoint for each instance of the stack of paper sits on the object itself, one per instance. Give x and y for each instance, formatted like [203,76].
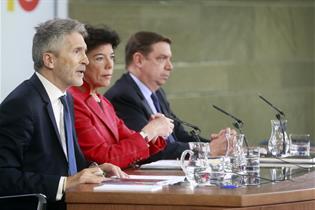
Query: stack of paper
[127,187]
[138,183]
[164,180]
[163,164]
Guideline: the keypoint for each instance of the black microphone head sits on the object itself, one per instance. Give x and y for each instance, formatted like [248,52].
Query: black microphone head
[238,125]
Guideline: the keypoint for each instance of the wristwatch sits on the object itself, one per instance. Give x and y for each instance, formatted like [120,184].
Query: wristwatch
[144,135]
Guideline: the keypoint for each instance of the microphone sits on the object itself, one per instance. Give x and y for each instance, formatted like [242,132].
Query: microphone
[271,105]
[183,122]
[238,124]
[195,132]
[278,116]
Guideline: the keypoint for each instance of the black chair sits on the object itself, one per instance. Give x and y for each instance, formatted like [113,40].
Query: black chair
[28,201]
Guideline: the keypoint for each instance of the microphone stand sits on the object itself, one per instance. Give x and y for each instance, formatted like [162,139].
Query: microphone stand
[195,135]
[279,116]
[195,130]
[238,124]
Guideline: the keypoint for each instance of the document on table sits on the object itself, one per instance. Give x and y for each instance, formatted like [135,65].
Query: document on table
[163,164]
[127,187]
[288,160]
[164,180]
[168,164]
[138,183]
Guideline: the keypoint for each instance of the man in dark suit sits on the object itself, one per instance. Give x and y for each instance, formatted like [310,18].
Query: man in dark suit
[138,94]
[38,146]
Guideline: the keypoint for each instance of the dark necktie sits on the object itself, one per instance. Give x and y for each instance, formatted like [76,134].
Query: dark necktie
[156,102]
[69,136]
[157,105]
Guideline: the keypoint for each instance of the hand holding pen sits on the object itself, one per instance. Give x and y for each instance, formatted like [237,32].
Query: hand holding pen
[113,171]
[99,171]
[94,175]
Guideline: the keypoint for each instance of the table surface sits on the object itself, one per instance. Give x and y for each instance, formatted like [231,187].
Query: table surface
[298,188]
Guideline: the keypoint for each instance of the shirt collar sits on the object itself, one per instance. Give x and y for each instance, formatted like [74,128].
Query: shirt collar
[53,92]
[143,88]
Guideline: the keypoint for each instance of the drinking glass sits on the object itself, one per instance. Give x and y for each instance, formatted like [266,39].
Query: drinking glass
[252,166]
[300,144]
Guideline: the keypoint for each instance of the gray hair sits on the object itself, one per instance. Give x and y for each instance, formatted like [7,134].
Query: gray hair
[50,34]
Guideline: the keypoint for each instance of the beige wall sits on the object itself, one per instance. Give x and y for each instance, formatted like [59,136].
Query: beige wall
[226,53]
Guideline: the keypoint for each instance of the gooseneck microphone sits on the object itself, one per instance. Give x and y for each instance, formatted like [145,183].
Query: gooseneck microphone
[238,124]
[195,130]
[280,113]
[183,122]
[278,116]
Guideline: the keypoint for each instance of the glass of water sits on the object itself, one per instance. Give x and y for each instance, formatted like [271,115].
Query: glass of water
[299,144]
[252,156]
[217,170]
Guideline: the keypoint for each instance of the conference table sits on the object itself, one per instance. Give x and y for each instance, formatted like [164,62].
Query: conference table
[295,192]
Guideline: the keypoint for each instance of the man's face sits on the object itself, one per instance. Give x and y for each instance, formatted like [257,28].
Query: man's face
[156,66]
[100,69]
[70,62]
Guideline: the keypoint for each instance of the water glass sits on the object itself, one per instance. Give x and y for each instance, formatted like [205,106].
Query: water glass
[233,180]
[216,165]
[234,159]
[299,144]
[252,166]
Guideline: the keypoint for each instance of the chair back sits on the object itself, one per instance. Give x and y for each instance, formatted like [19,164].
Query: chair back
[24,201]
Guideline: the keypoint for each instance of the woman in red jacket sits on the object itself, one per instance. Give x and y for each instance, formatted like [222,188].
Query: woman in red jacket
[103,137]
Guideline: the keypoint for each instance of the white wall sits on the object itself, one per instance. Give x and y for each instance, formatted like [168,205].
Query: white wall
[17,29]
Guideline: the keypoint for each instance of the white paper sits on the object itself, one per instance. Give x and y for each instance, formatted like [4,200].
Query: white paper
[162,164]
[127,187]
[139,183]
[169,180]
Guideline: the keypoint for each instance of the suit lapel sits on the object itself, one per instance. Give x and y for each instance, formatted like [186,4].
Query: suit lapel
[139,93]
[103,114]
[146,106]
[53,120]
[42,92]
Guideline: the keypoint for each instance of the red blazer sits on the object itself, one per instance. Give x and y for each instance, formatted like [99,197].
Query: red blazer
[103,137]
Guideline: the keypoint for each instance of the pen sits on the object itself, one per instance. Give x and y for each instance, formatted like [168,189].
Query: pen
[100,172]
[228,186]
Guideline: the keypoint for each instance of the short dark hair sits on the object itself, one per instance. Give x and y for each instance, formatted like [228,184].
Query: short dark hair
[100,35]
[142,42]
